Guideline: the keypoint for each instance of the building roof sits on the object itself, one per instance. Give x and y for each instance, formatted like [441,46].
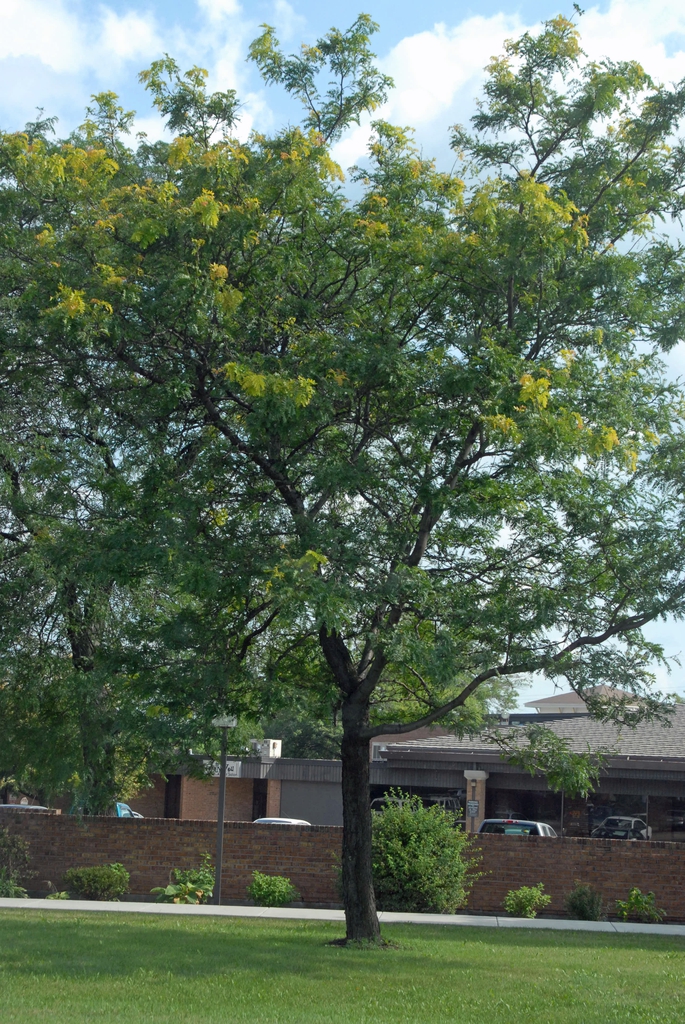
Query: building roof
[571,699]
[646,740]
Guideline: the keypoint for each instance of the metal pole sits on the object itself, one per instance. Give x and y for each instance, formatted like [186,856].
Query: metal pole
[220,821]
[561,824]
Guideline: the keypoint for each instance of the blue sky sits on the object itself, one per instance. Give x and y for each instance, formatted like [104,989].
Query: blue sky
[55,53]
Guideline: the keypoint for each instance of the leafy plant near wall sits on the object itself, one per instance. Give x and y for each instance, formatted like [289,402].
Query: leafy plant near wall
[14,863]
[104,882]
[526,901]
[192,885]
[271,890]
[420,860]
[584,903]
[640,907]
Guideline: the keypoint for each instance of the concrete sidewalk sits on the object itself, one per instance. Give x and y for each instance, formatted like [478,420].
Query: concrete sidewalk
[288,914]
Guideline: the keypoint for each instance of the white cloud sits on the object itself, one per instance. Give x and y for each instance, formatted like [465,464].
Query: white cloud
[632,30]
[153,127]
[439,73]
[216,10]
[50,32]
[130,36]
[431,69]
[287,22]
[42,29]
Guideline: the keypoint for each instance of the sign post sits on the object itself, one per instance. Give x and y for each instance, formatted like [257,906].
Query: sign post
[224,723]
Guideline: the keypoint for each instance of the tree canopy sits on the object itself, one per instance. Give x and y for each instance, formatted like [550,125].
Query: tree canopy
[396,449]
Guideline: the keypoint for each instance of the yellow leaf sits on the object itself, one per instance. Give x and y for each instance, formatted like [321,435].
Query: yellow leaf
[609,438]
[338,376]
[218,272]
[503,424]
[534,391]
[46,237]
[71,302]
[206,209]
[229,299]
[179,151]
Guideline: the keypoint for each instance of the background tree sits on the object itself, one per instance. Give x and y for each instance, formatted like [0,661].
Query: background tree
[436,412]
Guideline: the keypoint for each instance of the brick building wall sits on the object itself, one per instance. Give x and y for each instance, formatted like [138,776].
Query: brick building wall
[308,855]
[150,802]
[198,799]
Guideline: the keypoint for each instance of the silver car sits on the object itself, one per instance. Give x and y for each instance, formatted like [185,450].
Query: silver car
[280,821]
[517,827]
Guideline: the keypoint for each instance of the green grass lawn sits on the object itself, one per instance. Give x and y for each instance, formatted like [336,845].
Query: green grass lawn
[60,968]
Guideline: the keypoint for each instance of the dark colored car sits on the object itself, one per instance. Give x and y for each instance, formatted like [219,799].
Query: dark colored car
[515,827]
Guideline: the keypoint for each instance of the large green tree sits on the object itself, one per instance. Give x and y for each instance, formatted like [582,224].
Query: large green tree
[432,410]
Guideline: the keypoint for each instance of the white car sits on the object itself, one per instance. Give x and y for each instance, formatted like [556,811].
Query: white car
[516,827]
[622,823]
[280,821]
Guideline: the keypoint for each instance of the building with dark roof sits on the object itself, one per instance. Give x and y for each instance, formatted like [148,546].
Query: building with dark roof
[643,776]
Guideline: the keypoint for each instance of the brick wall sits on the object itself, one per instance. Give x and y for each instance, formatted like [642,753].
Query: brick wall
[613,866]
[149,848]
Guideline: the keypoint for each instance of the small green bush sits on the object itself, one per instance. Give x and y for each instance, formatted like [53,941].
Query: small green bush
[640,906]
[106,882]
[584,903]
[10,888]
[271,890]
[57,896]
[526,901]
[419,857]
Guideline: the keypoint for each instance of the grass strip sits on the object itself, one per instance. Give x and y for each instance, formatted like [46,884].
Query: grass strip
[110,968]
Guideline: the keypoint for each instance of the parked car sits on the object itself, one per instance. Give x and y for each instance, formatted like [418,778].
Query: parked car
[124,811]
[617,833]
[622,823]
[515,827]
[281,821]
[23,807]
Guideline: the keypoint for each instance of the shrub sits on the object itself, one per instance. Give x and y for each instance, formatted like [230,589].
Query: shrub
[271,890]
[584,903]
[106,882]
[10,888]
[14,862]
[199,878]
[57,896]
[640,906]
[188,885]
[526,901]
[181,892]
[419,861]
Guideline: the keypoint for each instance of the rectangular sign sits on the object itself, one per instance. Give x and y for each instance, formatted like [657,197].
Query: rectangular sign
[472,808]
[234,769]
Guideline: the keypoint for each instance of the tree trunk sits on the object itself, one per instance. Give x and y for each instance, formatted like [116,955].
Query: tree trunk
[357,882]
